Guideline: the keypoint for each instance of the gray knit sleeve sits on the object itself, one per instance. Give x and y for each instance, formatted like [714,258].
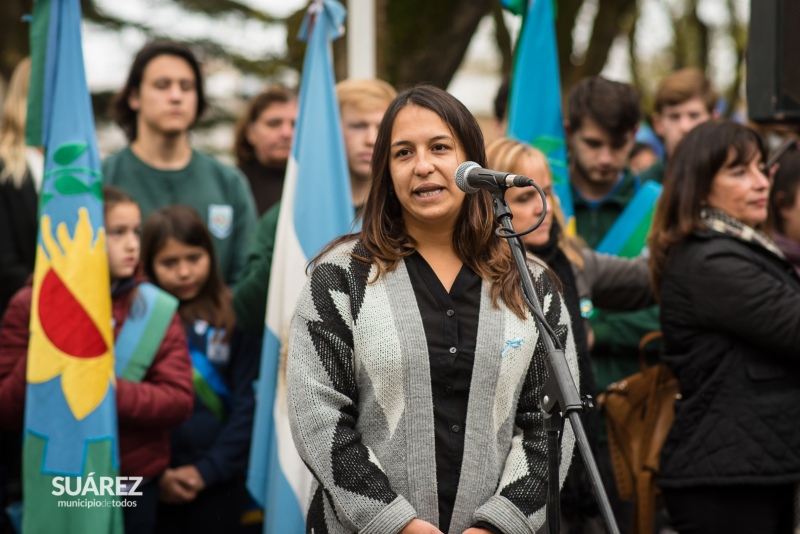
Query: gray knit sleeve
[323,409]
[518,505]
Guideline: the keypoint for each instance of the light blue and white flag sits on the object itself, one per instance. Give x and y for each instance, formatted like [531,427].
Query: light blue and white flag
[316,207]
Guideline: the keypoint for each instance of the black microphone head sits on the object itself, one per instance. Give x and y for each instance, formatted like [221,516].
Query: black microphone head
[461,176]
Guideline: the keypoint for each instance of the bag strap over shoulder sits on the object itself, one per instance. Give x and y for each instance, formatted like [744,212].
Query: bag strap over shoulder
[644,342]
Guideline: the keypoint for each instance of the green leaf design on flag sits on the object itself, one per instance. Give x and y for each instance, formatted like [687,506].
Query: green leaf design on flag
[66,154]
[547,143]
[70,185]
[97,189]
[558,169]
[46,197]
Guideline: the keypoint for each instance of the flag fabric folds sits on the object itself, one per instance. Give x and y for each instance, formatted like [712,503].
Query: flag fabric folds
[628,237]
[70,409]
[316,207]
[534,112]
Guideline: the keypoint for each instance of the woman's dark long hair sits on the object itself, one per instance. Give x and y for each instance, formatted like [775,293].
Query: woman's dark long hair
[213,303]
[383,230]
[702,153]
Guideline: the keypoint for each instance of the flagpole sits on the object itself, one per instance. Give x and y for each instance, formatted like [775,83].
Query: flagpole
[361,39]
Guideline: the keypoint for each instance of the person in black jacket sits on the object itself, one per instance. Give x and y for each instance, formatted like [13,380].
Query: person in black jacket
[263,141]
[21,171]
[730,312]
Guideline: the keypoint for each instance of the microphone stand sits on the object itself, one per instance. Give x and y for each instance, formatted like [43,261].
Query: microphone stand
[559,395]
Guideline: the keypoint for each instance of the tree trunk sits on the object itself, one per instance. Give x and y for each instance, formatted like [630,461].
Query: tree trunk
[636,80]
[607,26]
[503,38]
[691,40]
[425,41]
[739,32]
[14,33]
[565,23]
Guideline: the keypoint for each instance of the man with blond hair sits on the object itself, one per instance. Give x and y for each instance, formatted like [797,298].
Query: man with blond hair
[362,104]
[684,99]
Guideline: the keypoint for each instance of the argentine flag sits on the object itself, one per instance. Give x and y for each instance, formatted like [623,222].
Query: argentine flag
[316,207]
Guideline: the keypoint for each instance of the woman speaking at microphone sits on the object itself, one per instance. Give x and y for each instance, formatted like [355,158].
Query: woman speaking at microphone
[414,367]
[730,312]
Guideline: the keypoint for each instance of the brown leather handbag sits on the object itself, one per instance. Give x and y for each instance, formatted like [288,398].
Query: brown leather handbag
[639,413]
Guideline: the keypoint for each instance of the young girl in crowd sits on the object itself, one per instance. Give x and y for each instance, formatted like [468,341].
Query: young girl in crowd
[150,402]
[203,491]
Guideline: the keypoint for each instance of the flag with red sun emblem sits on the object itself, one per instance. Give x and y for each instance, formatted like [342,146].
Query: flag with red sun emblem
[70,410]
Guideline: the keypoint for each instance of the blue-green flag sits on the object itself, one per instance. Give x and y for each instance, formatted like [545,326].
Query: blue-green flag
[534,113]
[70,453]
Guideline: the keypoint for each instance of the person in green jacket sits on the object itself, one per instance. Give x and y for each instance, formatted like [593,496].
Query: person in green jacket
[160,102]
[602,121]
[362,104]
[684,99]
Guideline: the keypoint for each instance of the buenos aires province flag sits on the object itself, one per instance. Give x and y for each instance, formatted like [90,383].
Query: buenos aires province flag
[70,409]
[316,207]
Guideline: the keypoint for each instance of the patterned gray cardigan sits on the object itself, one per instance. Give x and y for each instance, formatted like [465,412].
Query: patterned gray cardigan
[361,409]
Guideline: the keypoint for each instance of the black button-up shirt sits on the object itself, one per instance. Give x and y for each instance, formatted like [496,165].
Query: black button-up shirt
[451,330]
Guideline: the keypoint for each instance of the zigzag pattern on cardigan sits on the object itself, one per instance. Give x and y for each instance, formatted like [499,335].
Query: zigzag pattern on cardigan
[361,408]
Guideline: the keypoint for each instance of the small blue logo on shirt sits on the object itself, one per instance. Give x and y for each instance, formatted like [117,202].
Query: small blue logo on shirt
[513,343]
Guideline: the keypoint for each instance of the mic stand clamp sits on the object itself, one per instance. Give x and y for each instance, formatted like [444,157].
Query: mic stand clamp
[560,398]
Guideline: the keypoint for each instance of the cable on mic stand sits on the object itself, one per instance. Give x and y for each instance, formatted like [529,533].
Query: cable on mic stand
[560,397]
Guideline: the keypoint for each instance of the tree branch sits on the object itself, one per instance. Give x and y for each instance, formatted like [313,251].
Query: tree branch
[227,7]
[503,39]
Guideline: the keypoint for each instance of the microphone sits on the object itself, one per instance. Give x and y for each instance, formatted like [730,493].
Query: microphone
[471,178]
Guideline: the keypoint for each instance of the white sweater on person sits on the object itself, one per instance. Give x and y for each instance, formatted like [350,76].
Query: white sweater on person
[361,409]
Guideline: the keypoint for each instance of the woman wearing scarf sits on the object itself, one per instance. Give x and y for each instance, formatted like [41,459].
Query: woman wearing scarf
[730,312]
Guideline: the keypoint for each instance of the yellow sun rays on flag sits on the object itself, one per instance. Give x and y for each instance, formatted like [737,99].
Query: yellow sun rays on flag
[71,331]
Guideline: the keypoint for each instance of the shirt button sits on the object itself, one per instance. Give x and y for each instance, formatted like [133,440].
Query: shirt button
[448,390]
[453,350]
[450,313]
[456,429]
